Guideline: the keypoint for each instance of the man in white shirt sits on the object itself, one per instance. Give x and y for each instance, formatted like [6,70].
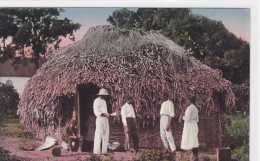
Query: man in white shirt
[102,126]
[129,123]
[190,130]
[167,114]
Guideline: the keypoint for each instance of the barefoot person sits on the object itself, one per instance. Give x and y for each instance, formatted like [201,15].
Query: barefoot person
[70,135]
[129,123]
[167,114]
[102,126]
[190,130]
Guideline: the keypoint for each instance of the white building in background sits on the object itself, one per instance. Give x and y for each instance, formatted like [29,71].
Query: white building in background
[18,82]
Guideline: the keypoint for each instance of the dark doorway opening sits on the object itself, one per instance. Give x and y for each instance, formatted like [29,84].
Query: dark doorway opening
[219,102]
[86,118]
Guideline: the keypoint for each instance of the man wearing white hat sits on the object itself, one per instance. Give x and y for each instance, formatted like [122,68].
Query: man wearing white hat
[102,126]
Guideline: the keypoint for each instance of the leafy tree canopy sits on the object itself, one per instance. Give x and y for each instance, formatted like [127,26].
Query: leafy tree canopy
[38,28]
[207,39]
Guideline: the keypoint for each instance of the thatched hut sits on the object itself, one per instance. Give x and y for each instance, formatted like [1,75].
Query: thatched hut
[141,64]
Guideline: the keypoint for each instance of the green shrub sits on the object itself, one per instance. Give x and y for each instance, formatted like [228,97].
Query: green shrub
[156,155]
[237,131]
[9,99]
[242,92]
[242,153]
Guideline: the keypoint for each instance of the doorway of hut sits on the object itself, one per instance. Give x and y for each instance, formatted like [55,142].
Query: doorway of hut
[86,94]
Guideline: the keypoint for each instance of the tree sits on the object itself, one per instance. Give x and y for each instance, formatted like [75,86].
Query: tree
[9,99]
[40,29]
[7,28]
[123,17]
[207,39]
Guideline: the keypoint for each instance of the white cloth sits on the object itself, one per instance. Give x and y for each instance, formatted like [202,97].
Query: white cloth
[127,110]
[101,134]
[102,126]
[166,136]
[64,145]
[49,142]
[190,129]
[100,106]
[167,108]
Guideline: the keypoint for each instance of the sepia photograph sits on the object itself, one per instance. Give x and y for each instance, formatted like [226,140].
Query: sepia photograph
[125,83]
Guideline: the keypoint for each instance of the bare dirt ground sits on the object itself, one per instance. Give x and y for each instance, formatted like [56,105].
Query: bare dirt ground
[14,146]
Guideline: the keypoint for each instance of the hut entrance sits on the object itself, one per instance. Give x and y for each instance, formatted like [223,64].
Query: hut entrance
[86,95]
[218,99]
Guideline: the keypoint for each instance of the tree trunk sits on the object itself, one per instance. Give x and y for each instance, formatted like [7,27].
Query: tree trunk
[35,55]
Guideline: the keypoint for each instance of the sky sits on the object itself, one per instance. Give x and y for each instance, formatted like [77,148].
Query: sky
[236,20]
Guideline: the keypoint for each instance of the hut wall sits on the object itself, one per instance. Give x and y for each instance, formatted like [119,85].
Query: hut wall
[209,133]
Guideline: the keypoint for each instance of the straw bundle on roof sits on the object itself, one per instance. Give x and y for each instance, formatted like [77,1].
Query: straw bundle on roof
[125,62]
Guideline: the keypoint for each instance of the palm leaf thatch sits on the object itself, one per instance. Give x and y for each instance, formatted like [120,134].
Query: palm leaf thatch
[141,64]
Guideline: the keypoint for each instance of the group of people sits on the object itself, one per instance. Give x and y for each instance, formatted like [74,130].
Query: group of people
[190,130]
[102,126]
[189,136]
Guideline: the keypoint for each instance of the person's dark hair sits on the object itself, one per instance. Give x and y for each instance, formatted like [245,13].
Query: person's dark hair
[129,99]
[165,95]
[193,99]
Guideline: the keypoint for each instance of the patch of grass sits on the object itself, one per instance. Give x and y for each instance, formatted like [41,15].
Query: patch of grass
[28,144]
[13,128]
[156,155]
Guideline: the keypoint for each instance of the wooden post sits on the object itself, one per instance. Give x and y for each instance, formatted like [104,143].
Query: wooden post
[78,112]
[75,106]
[221,124]
[223,154]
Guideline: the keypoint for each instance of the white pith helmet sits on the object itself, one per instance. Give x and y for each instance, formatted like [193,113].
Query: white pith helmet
[103,92]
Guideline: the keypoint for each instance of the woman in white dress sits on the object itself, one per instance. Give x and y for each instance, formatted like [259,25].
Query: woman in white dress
[190,130]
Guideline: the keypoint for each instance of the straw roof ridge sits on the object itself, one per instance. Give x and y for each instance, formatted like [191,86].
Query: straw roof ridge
[126,62]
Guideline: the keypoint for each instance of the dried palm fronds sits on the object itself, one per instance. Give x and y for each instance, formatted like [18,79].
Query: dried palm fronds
[125,62]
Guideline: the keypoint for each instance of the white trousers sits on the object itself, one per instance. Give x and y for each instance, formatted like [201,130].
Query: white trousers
[166,136]
[101,134]
[190,135]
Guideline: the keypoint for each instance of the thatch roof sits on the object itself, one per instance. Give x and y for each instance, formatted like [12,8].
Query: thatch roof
[125,62]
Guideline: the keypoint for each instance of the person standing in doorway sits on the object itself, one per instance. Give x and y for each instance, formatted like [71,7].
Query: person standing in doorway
[190,130]
[167,113]
[102,125]
[129,123]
